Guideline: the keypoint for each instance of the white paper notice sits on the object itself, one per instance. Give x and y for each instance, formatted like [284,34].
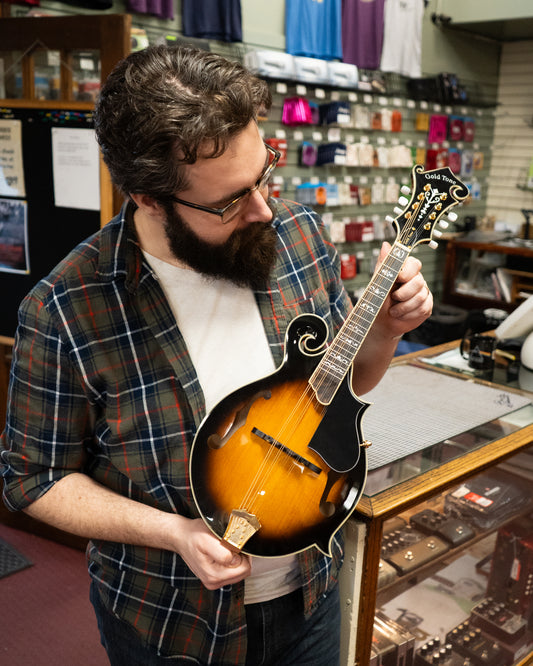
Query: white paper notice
[75,163]
[11,165]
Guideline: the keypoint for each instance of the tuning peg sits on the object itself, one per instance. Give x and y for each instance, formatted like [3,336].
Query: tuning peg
[452,216]
[437,233]
[443,224]
[397,210]
[389,218]
[433,244]
[403,201]
[405,189]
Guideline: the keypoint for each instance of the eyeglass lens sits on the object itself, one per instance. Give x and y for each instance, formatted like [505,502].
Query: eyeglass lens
[238,205]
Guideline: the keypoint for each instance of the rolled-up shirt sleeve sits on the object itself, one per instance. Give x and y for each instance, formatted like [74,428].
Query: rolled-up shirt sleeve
[48,412]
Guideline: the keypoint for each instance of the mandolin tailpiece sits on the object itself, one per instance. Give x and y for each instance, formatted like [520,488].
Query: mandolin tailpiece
[241,527]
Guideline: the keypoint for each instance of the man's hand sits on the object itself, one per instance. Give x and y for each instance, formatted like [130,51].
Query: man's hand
[208,557]
[80,505]
[409,303]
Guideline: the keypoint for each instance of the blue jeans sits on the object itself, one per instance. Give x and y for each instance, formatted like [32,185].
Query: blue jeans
[278,634]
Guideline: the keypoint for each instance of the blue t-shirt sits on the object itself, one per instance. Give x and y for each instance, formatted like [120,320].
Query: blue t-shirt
[313,28]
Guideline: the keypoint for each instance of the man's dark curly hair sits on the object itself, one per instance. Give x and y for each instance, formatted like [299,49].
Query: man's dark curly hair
[161,106]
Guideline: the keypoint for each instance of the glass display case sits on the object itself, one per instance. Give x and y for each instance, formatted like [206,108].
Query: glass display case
[439,555]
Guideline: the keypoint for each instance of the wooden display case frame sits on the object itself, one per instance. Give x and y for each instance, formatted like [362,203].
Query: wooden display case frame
[359,577]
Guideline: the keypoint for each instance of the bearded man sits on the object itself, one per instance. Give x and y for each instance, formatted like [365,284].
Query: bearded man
[122,350]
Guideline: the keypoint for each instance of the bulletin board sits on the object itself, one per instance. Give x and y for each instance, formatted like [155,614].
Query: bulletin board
[52,231]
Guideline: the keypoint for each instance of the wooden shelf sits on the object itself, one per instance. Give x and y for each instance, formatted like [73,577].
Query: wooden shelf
[453,266]
[108,34]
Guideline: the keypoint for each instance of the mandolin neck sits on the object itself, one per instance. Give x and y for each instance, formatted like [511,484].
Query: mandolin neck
[339,356]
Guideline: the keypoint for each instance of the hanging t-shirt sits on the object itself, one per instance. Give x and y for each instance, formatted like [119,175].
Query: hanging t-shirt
[362,32]
[313,28]
[161,8]
[402,38]
[212,19]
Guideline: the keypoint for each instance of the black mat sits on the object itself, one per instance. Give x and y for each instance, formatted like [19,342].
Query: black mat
[11,560]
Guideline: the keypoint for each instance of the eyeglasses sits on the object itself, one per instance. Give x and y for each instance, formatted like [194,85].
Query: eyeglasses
[234,207]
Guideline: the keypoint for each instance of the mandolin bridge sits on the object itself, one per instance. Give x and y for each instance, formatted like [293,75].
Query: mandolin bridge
[300,459]
[241,527]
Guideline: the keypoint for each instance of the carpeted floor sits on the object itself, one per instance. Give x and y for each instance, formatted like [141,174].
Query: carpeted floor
[46,616]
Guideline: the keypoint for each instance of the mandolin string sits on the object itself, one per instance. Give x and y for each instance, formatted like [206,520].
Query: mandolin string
[304,403]
[379,282]
[274,454]
[289,427]
[308,397]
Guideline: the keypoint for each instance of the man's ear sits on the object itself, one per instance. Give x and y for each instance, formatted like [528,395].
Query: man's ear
[147,204]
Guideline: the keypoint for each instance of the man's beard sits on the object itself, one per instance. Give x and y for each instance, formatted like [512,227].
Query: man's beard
[246,258]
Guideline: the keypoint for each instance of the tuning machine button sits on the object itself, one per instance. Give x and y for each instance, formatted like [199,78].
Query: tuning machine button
[433,244]
[443,224]
[452,216]
[403,201]
[405,189]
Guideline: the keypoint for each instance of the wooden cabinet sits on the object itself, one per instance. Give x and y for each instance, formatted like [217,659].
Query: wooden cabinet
[409,485]
[473,273]
[23,40]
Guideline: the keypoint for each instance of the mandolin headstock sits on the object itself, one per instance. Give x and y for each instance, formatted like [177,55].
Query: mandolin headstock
[434,194]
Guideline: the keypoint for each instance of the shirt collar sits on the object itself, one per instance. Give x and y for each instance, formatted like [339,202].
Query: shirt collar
[120,253]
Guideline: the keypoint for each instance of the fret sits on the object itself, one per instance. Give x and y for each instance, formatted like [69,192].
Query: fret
[333,370]
[353,327]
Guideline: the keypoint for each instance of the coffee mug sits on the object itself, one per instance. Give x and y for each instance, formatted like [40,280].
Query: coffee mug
[478,351]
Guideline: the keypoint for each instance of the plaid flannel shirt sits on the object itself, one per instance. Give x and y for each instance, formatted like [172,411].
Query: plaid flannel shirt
[102,383]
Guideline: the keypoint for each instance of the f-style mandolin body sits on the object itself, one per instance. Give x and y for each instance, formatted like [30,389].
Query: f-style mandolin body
[272,451]
[279,465]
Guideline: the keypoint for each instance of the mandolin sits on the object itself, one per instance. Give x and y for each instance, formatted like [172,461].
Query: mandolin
[279,465]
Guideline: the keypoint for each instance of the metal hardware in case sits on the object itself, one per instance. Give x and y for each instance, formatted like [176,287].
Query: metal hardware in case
[470,642]
[399,636]
[452,530]
[496,620]
[415,555]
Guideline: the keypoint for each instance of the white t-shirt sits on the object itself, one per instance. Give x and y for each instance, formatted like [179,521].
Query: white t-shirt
[402,37]
[222,328]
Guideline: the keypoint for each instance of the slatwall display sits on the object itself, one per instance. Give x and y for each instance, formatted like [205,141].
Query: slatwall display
[513,136]
[293,172]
